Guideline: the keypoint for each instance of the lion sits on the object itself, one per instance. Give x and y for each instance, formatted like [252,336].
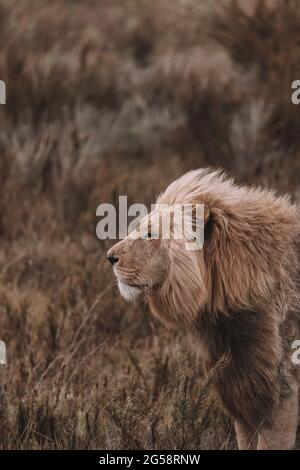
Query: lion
[239,295]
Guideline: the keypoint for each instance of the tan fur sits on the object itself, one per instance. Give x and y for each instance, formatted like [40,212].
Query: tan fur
[240,294]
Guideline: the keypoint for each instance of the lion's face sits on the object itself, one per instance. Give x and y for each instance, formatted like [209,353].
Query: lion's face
[140,263]
[153,259]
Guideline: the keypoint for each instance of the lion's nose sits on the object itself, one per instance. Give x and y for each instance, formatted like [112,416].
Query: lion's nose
[112,258]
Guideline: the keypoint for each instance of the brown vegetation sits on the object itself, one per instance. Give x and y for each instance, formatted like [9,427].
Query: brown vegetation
[107,98]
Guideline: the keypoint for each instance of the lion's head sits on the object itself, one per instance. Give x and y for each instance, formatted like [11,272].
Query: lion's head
[163,268]
[140,262]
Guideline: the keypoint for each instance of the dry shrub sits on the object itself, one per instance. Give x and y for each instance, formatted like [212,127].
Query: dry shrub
[264,45]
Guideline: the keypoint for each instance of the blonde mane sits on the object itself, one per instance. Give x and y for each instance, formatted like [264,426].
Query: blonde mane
[249,245]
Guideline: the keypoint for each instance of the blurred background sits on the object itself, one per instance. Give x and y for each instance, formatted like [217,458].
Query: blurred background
[109,98]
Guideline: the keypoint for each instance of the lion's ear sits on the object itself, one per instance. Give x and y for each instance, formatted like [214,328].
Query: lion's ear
[206,214]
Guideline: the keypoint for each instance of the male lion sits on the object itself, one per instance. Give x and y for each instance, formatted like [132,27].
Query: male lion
[240,295]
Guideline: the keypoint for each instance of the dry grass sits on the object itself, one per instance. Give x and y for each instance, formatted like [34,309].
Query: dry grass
[107,98]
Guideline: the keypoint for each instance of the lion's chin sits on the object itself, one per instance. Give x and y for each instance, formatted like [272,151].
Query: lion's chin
[127,291]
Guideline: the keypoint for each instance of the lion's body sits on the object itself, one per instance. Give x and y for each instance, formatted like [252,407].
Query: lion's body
[241,296]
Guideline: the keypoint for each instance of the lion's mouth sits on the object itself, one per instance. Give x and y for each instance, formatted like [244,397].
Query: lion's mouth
[130,282]
[133,284]
[128,290]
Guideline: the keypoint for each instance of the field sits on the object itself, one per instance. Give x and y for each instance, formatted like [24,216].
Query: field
[109,98]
